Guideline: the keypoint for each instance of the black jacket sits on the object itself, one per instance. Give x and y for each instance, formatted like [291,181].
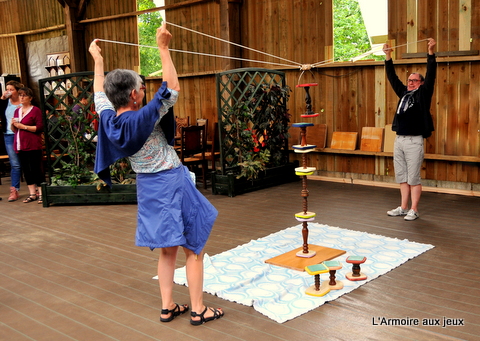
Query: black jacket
[417,119]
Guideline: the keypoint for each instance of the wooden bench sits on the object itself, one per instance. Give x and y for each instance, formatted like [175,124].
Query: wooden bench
[428,156]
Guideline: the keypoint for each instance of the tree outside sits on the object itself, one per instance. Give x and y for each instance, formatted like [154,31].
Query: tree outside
[147,28]
[350,37]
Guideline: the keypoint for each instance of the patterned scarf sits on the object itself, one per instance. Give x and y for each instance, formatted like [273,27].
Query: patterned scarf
[406,102]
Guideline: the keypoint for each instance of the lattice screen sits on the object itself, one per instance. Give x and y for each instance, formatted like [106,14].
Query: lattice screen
[239,87]
[60,95]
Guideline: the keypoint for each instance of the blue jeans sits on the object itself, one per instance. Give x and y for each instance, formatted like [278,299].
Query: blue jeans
[15,170]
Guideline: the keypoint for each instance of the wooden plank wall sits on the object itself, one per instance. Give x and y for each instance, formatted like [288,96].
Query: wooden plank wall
[41,14]
[198,94]
[349,96]
[48,13]
[121,29]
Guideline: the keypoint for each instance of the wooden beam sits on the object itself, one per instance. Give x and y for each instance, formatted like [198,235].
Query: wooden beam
[81,8]
[151,10]
[412,27]
[465,25]
[40,30]
[71,3]
[230,31]
[22,62]
[441,54]
[76,41]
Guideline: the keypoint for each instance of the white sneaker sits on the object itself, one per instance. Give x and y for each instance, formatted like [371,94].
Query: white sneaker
[411,215]
[399,211]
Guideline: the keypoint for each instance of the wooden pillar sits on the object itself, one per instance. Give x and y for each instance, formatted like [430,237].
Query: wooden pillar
[21,59]
[230,31]
[412,26]
[76,40]
[465,25]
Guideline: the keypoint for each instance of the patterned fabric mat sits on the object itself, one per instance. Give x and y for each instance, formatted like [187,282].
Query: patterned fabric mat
[241,274]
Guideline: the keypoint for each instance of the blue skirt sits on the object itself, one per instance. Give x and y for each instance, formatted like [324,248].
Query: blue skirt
[172,212]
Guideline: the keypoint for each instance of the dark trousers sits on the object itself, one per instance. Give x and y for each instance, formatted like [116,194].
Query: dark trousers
[31,162]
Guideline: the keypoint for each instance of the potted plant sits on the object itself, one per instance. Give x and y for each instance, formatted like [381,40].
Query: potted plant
[73,181]
[254,133]
[70,145]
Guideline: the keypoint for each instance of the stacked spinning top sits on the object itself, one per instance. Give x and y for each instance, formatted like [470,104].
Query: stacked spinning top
[305,216]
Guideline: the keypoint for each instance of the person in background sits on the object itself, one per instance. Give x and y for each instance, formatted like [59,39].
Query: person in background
[171,211]
[83,104]
[80,113]
[9,102]
[412,123]
[27,123]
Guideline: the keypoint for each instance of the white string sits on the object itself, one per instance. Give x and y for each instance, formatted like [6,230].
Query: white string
[303,67]
[413,42]
[229,42]
[326,61]
[301,74]
[229,57]
[191,52]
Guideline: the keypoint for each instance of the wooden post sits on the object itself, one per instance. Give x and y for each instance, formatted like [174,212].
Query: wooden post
[230,31]
[22,61]
[76,40]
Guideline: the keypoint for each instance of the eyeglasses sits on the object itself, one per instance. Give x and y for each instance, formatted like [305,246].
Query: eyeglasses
[143,87]
[414,80]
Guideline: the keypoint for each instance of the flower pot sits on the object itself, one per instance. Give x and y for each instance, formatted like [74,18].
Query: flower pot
[88,194]
[228,184]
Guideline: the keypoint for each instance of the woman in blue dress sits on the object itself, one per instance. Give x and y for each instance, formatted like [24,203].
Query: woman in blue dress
[171,211]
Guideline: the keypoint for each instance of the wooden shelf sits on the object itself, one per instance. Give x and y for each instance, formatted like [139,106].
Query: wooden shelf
[439,157]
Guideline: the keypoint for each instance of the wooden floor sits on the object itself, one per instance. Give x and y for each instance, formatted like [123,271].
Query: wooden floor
[73,272]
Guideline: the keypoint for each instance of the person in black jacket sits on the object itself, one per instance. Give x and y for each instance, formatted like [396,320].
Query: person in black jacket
[412,123]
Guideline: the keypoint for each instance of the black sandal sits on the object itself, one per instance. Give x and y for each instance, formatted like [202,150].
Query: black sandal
[31,198]
[216,315]
[40,200]
[174,312]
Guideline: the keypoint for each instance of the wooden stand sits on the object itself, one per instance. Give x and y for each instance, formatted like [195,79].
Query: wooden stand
[308,99]
[356,274]
[308,255]
[333,266]
[303,171]
[291,261]
[317,289]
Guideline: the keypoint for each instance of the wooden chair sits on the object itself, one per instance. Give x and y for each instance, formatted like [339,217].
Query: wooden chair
[204,122]
[193,144]
[213,149]
[180,122]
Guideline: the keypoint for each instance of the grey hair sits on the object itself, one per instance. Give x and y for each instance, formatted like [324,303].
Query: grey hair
[118,85]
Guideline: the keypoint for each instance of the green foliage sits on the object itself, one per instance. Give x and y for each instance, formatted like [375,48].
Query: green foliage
[254,164]
[121,172]
[147,28]
[78,149]
[257,130]
[349,33]
[80,154]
